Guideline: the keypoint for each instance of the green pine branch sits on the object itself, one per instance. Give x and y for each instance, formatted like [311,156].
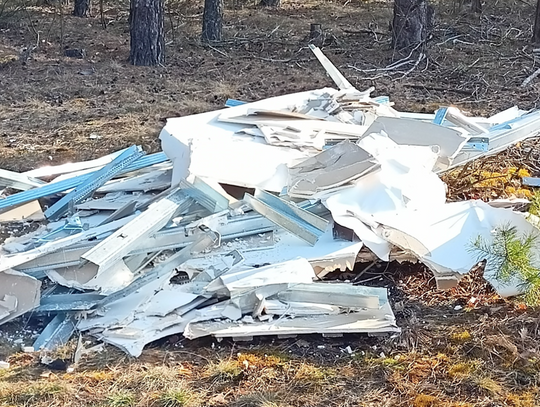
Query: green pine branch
[510,256]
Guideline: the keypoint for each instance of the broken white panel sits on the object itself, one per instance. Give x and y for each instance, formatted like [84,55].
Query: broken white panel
[276,307]
[279,114]
[510,203]
[404,180]
[123,306]
[19,181]
[333,167]
[302,127]
[203,183]
[365,321]
[327,254]
[129,237]
[155,317]
[441,236]
[238,281]
[418,133]
[113,202]
[504,135]
[454,115]
[30,211]
[7,262]
[506,115]
[202,146]
[153,181]
[124,310]
[50,171]
[339,294]
[132,338]
[8,305]
[73,276]
[19,293]
[169,299]
[283,136]
[330,68]
[111,278]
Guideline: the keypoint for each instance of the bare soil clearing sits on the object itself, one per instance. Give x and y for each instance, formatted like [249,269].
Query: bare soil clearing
[452,352]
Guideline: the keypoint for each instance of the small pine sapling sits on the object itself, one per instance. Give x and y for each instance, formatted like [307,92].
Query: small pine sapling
[509,256]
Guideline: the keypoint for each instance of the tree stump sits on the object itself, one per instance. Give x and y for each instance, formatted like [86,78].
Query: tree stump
[212,20]
[270,3]
[81,8]
[147,33]
[411,24]
[316,35]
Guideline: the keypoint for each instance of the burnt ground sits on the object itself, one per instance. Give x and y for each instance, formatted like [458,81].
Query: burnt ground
[464,347]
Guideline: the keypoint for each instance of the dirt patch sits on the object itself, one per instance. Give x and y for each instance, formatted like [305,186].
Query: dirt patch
[55,109]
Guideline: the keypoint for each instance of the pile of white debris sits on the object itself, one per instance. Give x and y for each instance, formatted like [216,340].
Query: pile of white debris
[138,247]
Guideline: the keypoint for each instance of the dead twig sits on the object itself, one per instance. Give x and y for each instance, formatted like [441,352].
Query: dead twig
[421,57]
[530,78]
[439,89]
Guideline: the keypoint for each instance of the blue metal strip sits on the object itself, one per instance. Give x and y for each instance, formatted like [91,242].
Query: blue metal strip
[46,190]
[57,187]
[234,102]
[507,125]
[98,179]
[383,100]
[440,116]
[146,161]
[531,181]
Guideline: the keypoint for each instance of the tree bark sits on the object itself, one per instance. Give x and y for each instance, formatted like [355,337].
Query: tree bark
[212,28]
[81,8]
[536,29]
[270,3]
[411,24]
[147,32]
[316,35]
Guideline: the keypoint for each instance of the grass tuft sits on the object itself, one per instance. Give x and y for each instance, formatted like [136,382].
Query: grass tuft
[488,384]
[121,399]
[461,337]
[425,400]
[178,397]
[28,395]
[224,370]
[462,370]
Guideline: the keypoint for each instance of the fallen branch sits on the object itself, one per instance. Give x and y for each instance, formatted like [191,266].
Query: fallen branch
[440,89]
[530,78]
[421,57]
[393,65]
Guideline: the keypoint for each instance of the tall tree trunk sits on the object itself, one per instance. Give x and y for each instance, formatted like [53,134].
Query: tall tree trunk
[411,24]
[536,29]
[147,33]
[81,8]
[270,3]
[212,20]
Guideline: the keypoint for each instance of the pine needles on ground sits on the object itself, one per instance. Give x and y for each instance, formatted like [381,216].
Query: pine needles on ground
[510,256]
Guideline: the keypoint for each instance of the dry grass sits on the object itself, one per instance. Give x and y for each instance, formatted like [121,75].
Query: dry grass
[460,364]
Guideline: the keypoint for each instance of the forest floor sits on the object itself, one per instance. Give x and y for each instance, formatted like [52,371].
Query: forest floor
[466,347]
